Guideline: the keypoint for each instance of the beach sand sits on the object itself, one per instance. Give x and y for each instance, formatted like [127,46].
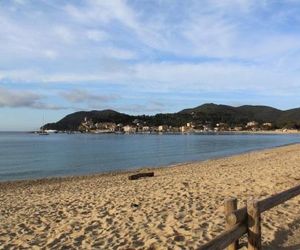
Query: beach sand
[180,208]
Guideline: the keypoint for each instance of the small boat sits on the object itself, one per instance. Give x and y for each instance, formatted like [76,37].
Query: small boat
[42,130]
[43,133]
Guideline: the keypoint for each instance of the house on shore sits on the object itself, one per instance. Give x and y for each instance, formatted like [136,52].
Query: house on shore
[129,129]
[162,128]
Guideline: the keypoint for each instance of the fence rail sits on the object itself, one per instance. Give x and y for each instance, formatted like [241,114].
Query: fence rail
[247,220]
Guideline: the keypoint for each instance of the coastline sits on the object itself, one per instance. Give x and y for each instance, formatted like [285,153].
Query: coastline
[180,206]
[266,132]
[194,131]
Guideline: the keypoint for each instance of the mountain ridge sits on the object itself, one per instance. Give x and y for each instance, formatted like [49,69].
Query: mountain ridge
[206,113]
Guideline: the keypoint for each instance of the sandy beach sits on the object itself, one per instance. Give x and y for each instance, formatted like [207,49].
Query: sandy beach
[180,208]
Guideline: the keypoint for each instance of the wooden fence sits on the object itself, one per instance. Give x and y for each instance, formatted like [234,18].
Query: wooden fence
[246,220]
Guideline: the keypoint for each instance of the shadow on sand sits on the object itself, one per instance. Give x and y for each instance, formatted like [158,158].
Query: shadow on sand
[286,239]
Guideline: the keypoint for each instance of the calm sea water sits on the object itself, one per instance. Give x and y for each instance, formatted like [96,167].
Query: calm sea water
[30,156]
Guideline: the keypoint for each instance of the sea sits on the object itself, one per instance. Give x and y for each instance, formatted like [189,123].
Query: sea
[26,156]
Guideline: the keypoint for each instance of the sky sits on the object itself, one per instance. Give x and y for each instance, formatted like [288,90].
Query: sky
[144,56]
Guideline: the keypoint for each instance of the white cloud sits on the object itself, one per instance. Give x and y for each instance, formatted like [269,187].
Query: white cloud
[163,77]
[218,29]
[117,53]
[97,35]
[163,45]
[81,96]
[210,36]
[19,75]
[51,54]
[104,12]
[64,33]
[20,2]
[24,39]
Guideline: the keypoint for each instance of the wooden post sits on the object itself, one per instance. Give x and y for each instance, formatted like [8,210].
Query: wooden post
[230,206]
[254,226]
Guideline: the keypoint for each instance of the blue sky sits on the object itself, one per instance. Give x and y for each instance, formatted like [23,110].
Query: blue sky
[144,57]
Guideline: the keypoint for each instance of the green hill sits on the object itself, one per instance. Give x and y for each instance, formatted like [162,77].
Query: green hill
[205,114]
[72,121]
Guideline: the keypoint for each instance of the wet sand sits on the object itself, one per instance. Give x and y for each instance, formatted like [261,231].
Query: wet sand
[180,208]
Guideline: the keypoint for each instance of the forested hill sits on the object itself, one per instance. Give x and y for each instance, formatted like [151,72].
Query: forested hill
[204,114]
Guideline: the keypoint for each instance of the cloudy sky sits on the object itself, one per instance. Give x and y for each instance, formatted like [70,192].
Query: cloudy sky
[144,56]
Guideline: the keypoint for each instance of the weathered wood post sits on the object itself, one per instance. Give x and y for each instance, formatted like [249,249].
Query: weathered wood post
[230,206]
[254,226]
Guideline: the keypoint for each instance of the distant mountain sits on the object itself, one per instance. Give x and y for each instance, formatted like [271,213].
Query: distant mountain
[289,118]
[209,113]
[259,113]
[233,115]
[72,121]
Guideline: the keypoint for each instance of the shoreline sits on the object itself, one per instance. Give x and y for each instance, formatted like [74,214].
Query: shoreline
[130,171]
[181,206]
[262,132]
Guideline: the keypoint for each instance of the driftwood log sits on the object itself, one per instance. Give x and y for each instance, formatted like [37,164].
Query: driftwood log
[141,175]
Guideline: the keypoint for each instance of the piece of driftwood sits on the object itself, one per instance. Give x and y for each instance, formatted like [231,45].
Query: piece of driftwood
[141,175]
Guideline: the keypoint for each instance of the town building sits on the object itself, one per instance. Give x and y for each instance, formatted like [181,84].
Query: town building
[252,124]
[129,129]
[162,128]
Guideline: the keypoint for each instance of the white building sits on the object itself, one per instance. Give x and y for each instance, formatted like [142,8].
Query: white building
[145,128]
[129,129]
[252,124]
[162,128]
